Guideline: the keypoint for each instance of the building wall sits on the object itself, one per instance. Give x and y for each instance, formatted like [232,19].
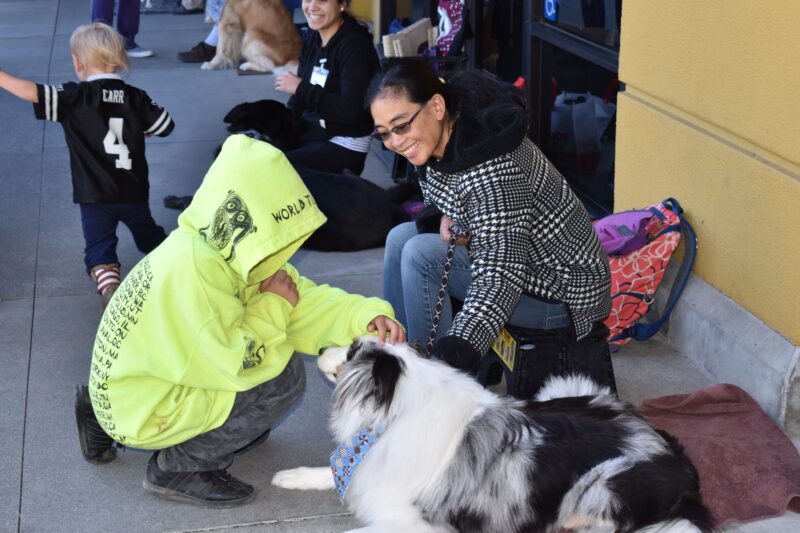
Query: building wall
[363,9]
[711,116]
[370,11]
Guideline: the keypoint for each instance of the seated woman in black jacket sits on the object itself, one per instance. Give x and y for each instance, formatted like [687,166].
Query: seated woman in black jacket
[330,127]
[528,254]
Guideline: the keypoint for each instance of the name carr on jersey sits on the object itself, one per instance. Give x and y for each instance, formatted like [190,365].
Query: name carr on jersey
[114,96]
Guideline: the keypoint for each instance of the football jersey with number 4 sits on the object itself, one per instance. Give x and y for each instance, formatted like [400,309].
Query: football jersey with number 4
[105,121]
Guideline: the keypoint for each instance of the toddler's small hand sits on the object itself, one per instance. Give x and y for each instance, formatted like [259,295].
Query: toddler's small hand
[283,285]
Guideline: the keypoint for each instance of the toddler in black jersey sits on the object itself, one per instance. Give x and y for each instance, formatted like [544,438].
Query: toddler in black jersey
[105,121]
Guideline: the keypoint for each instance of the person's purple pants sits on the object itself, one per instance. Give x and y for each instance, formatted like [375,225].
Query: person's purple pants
[127,18]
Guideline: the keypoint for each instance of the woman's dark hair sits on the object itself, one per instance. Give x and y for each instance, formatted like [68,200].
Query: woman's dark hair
[348,17]
[411,78]
[416,80]
[346,13]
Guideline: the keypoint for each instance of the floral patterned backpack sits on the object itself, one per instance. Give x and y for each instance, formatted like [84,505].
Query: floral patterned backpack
[640,244]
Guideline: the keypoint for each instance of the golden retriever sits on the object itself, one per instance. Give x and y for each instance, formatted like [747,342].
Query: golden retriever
[261,32]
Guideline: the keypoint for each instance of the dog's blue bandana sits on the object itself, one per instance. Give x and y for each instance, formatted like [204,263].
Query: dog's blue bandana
[345,459]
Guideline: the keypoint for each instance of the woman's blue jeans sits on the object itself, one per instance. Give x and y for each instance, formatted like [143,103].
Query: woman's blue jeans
[412,274]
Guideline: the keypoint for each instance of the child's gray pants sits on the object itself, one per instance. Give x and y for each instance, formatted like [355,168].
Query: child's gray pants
[253,413]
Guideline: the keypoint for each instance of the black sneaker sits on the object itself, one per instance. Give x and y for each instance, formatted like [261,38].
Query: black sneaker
[177,202]
[97,447]
[200,53]
[216,489]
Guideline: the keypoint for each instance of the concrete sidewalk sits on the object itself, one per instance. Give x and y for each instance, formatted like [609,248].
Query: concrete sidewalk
[49,309]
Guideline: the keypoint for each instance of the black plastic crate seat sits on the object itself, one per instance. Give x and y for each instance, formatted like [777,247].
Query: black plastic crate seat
[527,357]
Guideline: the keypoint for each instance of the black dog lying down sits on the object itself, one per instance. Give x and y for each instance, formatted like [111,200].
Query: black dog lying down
[269,118]
[360,213]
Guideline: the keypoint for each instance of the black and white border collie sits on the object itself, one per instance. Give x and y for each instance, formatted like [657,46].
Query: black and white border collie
[454,456]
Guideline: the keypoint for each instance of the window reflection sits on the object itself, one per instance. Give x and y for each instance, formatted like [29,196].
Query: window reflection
[595,20]
[582,131]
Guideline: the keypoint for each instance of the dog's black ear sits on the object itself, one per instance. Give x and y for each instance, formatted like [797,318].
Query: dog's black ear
[385,372]
[236,113]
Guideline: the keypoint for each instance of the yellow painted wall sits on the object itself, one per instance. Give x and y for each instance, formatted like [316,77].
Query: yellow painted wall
[362,9]
[711,115]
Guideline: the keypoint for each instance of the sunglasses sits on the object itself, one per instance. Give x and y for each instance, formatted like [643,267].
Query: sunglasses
[400,129]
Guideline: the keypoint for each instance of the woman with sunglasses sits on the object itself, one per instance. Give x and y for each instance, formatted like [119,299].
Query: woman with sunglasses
[527,253]
[337,62]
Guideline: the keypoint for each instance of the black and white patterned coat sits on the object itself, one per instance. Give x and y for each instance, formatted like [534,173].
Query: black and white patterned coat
[529,232]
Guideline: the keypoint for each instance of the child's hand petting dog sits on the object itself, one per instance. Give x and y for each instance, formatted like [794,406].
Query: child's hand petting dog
[383,325]
[283,285]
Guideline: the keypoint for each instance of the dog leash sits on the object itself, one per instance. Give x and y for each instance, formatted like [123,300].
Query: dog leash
[455,232]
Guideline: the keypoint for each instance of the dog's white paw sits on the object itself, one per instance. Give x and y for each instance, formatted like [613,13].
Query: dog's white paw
[207,65]
[247,65]
[331,360]
[304,478]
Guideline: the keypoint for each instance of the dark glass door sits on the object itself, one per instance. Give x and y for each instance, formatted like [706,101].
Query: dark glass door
[571,49]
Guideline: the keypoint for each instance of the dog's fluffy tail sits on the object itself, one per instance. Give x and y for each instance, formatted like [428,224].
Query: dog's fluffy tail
[691,506]
[570,386]
[229,49]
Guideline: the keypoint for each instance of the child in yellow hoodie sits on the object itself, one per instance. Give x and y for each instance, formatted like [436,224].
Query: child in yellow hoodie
[195,356]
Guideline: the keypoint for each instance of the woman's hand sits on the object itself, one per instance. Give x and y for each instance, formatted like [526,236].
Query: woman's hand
[444,231]
[283,285]
[287,82]
[383,325]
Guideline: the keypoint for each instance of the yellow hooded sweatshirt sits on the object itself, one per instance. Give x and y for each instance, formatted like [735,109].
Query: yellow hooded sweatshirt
[188,329]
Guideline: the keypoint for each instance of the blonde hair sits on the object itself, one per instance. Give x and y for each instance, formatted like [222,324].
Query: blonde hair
[99,45]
